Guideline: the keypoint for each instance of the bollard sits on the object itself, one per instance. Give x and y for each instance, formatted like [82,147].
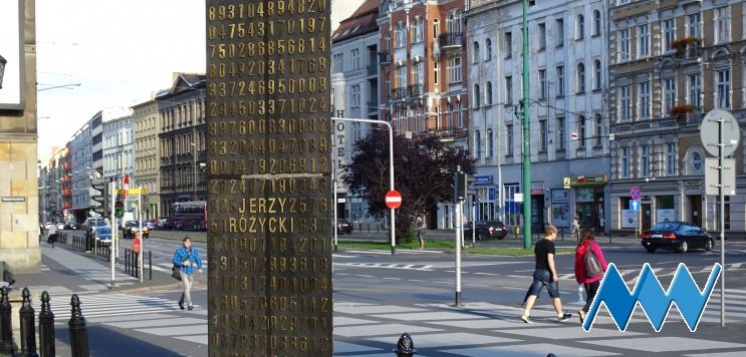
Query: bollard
[46,328]
[78,332]
[405,346]
[6,331]
[28,326]
[150,265]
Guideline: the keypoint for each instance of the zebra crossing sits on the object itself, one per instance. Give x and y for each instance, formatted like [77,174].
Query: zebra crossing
[104,308]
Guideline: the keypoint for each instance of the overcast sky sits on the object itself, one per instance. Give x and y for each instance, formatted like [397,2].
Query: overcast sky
[119,51]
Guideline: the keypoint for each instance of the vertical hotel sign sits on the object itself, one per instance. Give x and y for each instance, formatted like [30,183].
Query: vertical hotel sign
[269,169]
[12,59]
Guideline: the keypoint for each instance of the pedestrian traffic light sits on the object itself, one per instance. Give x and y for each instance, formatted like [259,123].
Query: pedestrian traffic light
[119,209]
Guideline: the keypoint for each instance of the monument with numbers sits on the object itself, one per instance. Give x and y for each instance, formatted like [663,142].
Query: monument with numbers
[269,169]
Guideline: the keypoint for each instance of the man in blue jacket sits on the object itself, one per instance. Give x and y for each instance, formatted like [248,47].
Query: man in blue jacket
[186,258]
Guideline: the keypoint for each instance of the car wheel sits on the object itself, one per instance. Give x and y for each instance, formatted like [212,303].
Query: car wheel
[650,249]
[683,247]
[708,246]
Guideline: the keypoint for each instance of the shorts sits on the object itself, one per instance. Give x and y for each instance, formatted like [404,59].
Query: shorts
[542,278]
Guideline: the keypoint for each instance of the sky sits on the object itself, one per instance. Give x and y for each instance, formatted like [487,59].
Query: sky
[113,53]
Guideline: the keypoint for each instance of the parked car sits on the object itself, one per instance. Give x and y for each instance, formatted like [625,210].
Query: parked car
[103,235]
[486,230]
[73,225]
[164,223]
[133,227]
[678,236]
[150,224]
[344,226]
[60,226]
[92,224]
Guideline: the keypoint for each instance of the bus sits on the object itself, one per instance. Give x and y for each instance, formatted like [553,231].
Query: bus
[189,215]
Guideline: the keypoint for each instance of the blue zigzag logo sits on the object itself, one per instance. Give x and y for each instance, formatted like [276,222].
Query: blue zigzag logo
[655,302]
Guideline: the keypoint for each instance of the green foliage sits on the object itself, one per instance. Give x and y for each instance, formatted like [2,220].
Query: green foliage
[423,174]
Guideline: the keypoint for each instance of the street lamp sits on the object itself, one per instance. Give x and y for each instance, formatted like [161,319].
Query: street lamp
[3,61]
[194,171]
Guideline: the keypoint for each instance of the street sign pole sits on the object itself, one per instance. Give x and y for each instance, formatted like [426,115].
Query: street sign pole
[113,190]
[142,236]
[722,221]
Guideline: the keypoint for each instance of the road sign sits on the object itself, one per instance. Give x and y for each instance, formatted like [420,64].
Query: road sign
[574,136]
[712,177]
[518,197]
[393,199]
[634,205]
[634,193]
[709,132]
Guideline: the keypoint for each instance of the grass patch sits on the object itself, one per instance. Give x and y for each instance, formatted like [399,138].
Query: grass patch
[448,246]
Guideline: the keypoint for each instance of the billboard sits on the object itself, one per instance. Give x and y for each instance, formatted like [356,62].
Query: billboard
[12,59]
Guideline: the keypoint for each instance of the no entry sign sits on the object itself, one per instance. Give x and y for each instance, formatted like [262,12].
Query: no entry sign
[393,199]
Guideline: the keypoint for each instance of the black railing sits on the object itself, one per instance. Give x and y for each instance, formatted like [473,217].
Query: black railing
[451,40]
[416,90]
[132,263]
[398,93]
[384,57]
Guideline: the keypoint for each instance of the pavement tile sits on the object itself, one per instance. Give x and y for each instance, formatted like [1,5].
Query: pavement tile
[664,344]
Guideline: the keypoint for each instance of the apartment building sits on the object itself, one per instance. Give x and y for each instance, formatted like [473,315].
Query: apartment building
[568,116]
[671,63]
[147,159]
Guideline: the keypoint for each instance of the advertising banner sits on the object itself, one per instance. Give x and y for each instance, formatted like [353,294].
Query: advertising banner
[12,69]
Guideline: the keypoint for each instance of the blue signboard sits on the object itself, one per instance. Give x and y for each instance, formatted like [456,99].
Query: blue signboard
[634,205]
[491,193]
[483,179]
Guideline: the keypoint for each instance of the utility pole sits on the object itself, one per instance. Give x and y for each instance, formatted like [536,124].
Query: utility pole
[526,104]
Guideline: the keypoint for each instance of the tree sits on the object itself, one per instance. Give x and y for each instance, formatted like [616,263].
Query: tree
[423,170]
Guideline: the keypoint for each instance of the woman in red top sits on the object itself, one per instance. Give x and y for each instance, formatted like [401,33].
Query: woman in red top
[591,283]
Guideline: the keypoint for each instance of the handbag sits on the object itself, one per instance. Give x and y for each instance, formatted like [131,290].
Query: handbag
[593,266]
[176,273]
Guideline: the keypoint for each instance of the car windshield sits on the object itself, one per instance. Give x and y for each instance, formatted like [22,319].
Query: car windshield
[666,226]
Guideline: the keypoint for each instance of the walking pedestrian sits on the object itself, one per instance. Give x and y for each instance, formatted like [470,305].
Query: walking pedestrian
[545,276]
[51,234]
[186,258]
[590,266]
[421,231]
[575,229]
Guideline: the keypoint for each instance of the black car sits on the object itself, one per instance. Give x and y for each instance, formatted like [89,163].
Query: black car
[486,230]
[132,227]
[678,236]
[344,226]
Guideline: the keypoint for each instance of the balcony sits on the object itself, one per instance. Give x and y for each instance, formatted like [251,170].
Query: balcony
[384,58]
[398,93]
[372,107]
[688,48]
[373,70]
[451,41]
[416,90]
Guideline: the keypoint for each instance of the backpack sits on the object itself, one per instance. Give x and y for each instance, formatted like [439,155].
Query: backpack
[593,266]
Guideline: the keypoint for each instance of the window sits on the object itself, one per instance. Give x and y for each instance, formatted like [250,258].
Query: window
[669,95]
[560,81]
[489,93]
[488,49]
[436,73]
[543,141]
[624,163]
[338,63]
[508,45]
[597,74]
[401,77]
[490,144]
[670,159]
[542,36]
[455,70]
[509,140]
[722,25]
[643,41]
[355,96]
[624,45]
[476,52]
[695,83]
[580,27]
[581,78]
[596,23]
[723,89]
[645,161]
[581,131]
[624,103]
[460,115]
[644,100]
[477,95]
[451,114]
[477,144]
[669,34]
[693,25]
[418,73]
[560,128]
[436,28]
[599,130]
[542,84]
[560,25]
[509,90]
[453,22]
[401,35]
[419,30]
[355,54]
[387,41]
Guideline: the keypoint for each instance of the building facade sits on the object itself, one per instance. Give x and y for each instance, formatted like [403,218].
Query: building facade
[118,156]
[81,163]
[147,158]
[672,62]
[354,81]
[181,110]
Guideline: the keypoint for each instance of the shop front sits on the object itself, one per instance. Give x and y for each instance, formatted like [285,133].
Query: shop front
[588,193]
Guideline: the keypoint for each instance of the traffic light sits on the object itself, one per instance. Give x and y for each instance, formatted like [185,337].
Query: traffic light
[119,209]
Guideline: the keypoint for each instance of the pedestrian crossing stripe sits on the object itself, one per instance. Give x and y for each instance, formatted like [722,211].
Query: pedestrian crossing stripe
[420,267]
[108,305]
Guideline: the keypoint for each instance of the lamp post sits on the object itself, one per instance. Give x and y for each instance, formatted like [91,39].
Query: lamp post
[526,136]
[194,171]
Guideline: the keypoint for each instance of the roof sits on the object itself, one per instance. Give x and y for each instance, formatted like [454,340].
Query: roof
[361,22]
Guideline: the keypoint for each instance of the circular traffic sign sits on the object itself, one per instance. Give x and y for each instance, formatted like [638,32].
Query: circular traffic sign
[393,199]
[709,132]
[634,193]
